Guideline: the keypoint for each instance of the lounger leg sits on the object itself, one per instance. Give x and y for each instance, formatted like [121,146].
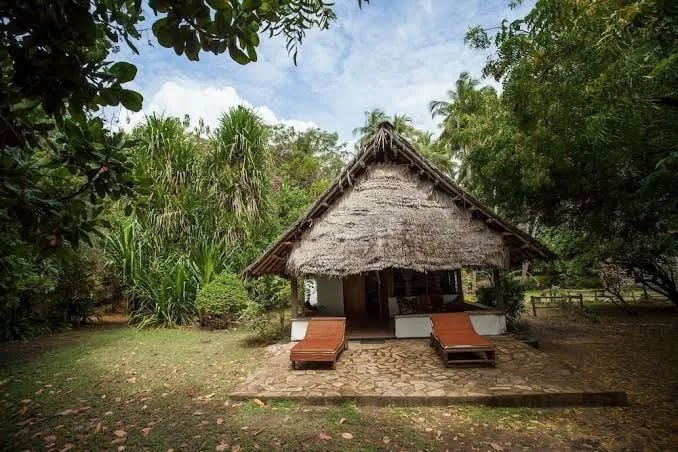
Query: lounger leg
[294,367]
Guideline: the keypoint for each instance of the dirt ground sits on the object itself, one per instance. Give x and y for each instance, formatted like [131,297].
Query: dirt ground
[117,388]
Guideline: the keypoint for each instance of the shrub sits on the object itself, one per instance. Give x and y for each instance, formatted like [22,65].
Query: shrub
[270,292]
[261,323]
[513,295]
[223,298]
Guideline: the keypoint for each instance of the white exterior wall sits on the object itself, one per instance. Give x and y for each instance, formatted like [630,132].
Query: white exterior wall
[330,293]
[299,329]
[419,325]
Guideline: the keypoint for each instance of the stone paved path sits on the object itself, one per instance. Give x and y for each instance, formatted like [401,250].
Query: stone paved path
[400,369]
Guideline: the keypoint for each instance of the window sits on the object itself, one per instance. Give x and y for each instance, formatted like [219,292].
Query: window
[407,283]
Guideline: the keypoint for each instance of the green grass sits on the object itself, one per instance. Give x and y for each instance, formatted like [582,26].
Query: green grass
[164,388]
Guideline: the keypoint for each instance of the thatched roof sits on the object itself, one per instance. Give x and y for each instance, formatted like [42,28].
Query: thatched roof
[390,208]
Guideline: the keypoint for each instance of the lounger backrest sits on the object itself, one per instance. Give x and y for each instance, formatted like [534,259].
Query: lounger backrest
[322,328]
[453,321]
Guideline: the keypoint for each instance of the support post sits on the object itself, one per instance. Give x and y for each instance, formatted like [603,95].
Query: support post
[294,296]
[499,288]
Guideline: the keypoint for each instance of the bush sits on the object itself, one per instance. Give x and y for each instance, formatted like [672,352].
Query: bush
[270,292]
[222,299]
[259,320]
[513,295]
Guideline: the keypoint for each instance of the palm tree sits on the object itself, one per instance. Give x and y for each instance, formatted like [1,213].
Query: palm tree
[372,120]
[464,100]
[460,100]
[401,124]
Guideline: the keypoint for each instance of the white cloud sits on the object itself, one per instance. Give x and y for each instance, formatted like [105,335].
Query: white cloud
[202,101]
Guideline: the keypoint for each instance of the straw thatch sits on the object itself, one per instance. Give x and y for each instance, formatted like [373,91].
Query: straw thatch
[391,218]
[391,208]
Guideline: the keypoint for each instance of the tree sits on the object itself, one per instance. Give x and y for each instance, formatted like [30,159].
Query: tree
[240,141]
[458,111]
[401,124]
[586,127]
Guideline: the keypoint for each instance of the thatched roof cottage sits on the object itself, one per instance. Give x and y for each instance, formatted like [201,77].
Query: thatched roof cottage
[387,240]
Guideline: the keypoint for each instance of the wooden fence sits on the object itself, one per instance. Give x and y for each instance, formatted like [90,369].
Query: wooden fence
[556,301]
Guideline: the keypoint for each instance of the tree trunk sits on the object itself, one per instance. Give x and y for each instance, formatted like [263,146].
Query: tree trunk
[523,272]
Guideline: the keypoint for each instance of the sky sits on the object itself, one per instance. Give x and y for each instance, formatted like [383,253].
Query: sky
[396,55]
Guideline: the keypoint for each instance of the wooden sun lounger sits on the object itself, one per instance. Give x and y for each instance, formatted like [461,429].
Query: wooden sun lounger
[324,341]
[457,342]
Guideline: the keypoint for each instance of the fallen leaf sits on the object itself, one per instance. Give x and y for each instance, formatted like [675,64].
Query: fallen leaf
[236,448]
[220,421]
[108,413]
[67,446]
[428,429]
[259,402]
[347,435]
[145,431]
[208,396]
[132,380]
[221,447]
[496,446]
[198,413]
[50,439]
[120,433]
[98,429]
[386,439]
[121,448]
[342,420]
[324,437]
[39,391]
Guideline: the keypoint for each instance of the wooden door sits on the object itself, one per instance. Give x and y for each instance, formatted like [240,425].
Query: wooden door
[354,296]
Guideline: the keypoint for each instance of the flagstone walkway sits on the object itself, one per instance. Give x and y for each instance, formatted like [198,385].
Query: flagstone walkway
[410,372]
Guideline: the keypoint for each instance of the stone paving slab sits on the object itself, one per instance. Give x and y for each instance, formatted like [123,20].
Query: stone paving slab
[409,372]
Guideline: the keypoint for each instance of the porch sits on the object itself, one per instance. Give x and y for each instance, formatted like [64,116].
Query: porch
[388,304]
[409,372]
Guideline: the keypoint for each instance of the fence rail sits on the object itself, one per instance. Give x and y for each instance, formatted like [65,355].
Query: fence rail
[556,301]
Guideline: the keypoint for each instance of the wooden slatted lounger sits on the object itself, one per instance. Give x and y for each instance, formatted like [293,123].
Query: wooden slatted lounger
[457,342]
[324,341]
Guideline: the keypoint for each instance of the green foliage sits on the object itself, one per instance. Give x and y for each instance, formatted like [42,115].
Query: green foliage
[269,292]
[583,137]
[209,206]
[240,142]
[513,294]
[163,294]
[259,321]
[61,168]
[224,296]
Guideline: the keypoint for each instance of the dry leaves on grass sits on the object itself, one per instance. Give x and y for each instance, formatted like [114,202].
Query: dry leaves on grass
[347,435]
[324,437]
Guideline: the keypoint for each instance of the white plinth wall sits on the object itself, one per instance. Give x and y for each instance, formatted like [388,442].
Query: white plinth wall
[486,323]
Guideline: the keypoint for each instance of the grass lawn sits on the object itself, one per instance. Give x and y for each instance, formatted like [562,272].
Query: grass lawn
[119,388]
